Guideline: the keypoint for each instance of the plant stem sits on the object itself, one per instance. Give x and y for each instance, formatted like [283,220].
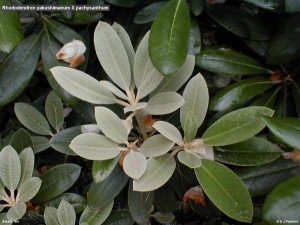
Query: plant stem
[176,150]
[140,122]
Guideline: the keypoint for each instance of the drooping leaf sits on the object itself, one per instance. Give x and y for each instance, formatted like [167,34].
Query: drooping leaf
[148,13]
[20,140]
[96,216]
[102,168]
[190,159]
[94,147]
[283,202]
[169,37]
[134,164]
[50,216]
[196,99]
[17,68]
[112,55]
[169,131]
[29,188]
[66,213]
[156,145]
[81,85]
[10,167]
[236,126]
[16,212]
[158,172]
[27,165]
[164,103]
[54,111]
[226,190]
[119,217]
[57,180]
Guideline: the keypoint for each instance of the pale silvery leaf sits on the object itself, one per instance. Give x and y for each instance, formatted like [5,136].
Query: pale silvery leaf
[192,160]
[156,145]
[134,164]
[95,147]
[50,216]
[111,125]
[17,211]
[82,85]
[29,189]
[206,151]
[113,89]
[66,214]
[164,103]
[169,131]
[90,128]
[27,164]
[128,124]
[112,55]
[135,107]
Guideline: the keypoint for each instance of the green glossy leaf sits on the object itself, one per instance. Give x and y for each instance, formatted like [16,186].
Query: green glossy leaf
[139,204]
[134,164]
[197,6]
[112,55]
[190,127]
[11,31]
[67,14]
[119,217]
[121,3]
[21,139]
[83,18]
[29,189]
[66,213]
[54,111]
[259,47]
[226,190]
[94,147]
[95,216]
[163,217]
[82,85]
[296,95]
[282,105]
[227,61]
[252,152]
[57,180]
[283,202]
[196,99]
[272,5]
[158,172]
[27,165]
[156,145]
[148,14]
[169,37]
[164,103]
[194,38]
[18,67]
[111,125]
[40,143]
[267,99]
[16,212]
[169,131]
[260,180]
[102,168]
[190,159]
[287,130]
[164,199]
[32,119]
[50,216]
[239,92]
[236,126]
[61,141]
[10,167]
[101,194]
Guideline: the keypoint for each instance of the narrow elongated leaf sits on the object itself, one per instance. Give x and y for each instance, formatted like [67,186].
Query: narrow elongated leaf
[164,103]
[95,216]
[111,125]
[102,168]
[169,131]
[287,130]
[66,213]
[119,217]
[236,126]
[227,61]
[196,99]
[94,147]
[32,119]
[134,164]
[17,68]
[16,212]
[239,92]
[81,85]
[135,107]
[189,159]
[113,89]
[148,13]
[112,55]
[54,111]
[283,202]
[57,180]
[10,167]
[20,140]
[169,37]
[27,165]
[158,172]
[156,145]
[29,189]
[50,216]
[226,190]
[101,194]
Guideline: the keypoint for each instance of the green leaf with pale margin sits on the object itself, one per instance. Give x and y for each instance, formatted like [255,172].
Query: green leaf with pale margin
[112,55]
[226,190]
[94,147]
[169,35]
[190,127]
[283,202]
[50,216]
[95,216]
[119,217]
[169,131]
[196,99]
[54,111]
[156,145]
[29,188]
[192,160]
[66,214]
[113,89]
[164,103]
[27,165]
[21,139]
[82,85]
[236,126]
[102,168]
[134,164]
[158,172]
[16,212]
[57,180]
[32,119]
[10,167]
